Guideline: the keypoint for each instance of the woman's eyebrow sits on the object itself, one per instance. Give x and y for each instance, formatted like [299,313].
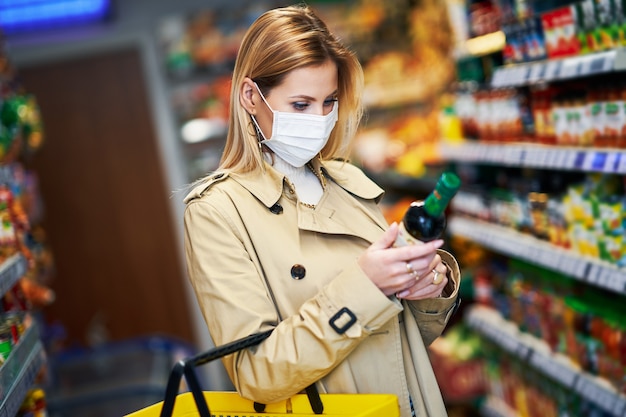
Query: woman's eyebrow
[306,97]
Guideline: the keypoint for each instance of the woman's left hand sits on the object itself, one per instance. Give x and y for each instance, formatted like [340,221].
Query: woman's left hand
[428,285]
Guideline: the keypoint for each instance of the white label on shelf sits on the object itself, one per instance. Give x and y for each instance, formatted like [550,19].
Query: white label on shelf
[11,270]
[560,158]
[570,159]
[599,395]
[587,161]
[590,65]
[546,257]
[619,408]
[584,66]
[472,152]
[608,61]
[579,267]
[530,158]
[612,161]
[552,70]
[498,78]
[594,273]
[556,370]
[543,157]
[554,158]
[513,155]
[536,72]
[507,77]
[569,68]
[523,351]
[607,277]
[490,153]
[521,75]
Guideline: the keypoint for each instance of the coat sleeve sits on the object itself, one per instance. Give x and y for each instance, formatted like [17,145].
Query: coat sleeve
[432,315]
[236,301]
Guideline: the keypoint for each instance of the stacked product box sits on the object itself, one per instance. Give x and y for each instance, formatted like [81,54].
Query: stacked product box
[581,27]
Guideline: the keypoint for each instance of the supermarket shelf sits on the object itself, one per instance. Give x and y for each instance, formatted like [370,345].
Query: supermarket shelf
[538,156]
[10,271]
[559,69]
[537,354]
[7,174]
[495,407]
[522,246]
[18,373]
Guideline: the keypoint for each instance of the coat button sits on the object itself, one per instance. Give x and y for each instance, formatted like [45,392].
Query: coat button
[276,209]
[298,271]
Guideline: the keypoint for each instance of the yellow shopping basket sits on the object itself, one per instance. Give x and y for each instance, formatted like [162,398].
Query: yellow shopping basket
[231,404]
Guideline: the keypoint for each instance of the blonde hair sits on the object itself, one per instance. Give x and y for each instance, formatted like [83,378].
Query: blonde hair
[279,41]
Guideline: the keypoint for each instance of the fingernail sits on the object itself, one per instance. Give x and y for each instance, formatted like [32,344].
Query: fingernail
[437,243]
[402,294]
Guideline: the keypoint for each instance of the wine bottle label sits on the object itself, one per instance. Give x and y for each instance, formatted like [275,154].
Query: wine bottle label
[404,238]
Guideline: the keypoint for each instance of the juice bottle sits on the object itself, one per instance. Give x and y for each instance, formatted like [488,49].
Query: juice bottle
[613,116]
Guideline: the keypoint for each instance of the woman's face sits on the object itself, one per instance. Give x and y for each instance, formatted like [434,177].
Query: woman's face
[309,90]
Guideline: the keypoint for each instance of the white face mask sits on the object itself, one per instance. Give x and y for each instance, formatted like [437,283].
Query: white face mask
[297,137]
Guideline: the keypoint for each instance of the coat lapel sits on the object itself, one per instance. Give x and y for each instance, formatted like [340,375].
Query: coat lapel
[348,190]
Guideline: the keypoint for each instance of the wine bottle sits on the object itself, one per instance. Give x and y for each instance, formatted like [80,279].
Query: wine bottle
[425,220]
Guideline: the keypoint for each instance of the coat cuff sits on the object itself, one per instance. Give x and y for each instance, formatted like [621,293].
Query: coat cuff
[450,293]
[353,291]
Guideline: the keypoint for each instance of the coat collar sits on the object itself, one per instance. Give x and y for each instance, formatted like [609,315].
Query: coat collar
[267,187]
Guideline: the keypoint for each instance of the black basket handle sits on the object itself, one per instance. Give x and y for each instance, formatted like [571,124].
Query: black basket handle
[185,367]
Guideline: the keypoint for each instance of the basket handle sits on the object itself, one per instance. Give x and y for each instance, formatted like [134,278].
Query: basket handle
[185,367]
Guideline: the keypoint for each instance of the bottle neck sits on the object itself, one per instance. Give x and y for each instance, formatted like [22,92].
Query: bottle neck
[446,187]
[435,204]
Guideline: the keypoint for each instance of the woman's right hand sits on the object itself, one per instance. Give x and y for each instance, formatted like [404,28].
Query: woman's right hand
[394,269]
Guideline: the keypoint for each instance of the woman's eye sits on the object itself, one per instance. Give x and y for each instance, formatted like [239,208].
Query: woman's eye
[329,102]
[300,106]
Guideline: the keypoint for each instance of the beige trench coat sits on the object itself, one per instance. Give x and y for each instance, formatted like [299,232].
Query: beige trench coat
[258,260]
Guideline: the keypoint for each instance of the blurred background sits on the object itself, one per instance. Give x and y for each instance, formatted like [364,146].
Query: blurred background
[110,108]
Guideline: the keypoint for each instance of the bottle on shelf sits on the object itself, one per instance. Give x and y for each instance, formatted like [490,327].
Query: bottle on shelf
[425,220]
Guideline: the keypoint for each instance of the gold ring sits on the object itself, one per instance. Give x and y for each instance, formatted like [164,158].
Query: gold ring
[437,278]
[410,270]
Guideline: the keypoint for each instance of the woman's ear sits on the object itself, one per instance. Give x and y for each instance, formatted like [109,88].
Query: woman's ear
[246,95]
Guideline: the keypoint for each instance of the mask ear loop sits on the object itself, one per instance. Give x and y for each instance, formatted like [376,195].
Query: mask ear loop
[253,130]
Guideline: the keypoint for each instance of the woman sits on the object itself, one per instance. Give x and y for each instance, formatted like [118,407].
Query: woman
[286,235]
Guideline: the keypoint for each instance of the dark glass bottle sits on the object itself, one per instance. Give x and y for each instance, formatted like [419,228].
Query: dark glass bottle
[425,220]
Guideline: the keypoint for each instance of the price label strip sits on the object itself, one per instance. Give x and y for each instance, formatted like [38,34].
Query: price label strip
[553,368]
[572,265]
[552,70]
[621,165]
[537,72]
[12,270]
[607,277]
[579,160]
[569,69]
[595,64]
[602,396]
[612,162]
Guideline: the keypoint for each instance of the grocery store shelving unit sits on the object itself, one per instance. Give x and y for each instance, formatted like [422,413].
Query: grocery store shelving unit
[525,247]
[19,371]
[506,241]
[538,355]
[527,155]
[560,69]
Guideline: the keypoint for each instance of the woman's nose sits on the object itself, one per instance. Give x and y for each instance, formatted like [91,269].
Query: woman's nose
[319,110]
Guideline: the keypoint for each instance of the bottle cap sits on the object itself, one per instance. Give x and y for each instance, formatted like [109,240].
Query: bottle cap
[448,185]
